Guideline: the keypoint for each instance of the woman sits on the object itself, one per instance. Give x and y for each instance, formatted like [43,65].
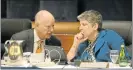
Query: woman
[94,43]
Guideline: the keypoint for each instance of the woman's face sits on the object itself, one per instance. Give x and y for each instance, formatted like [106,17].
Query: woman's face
[86,28]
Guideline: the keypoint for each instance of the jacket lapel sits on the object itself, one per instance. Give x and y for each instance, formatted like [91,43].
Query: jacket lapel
[99,44]
[100,41]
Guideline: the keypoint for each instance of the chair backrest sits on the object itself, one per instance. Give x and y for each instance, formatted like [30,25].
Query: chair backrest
[12,26]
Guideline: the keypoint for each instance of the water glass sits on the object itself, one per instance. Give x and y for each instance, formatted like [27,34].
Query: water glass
[27,55]
[77,62]
[114,54]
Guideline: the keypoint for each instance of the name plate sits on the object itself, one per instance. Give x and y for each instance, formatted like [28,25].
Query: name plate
[94,65]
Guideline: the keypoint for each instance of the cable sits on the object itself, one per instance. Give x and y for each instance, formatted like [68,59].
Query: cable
[58,53]
[47,53]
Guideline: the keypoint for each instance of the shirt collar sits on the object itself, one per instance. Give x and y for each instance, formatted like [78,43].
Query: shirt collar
[36,38]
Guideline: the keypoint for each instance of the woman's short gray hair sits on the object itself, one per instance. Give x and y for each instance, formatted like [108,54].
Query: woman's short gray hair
[92,17]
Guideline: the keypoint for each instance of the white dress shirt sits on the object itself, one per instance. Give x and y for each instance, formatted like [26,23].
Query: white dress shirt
[36,38]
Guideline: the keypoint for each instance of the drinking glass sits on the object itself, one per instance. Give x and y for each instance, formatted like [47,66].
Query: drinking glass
[26,55]
[114,54]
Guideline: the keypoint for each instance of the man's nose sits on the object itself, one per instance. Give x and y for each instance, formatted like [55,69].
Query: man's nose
[80,27]
[52,29]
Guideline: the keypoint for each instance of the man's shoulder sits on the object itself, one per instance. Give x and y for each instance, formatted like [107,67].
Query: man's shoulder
[53,40]
[22,34]
[24,31]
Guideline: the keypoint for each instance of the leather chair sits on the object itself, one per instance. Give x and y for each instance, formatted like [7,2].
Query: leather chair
[10,27]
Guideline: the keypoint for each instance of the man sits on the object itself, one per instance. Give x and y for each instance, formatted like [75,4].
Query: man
[94,43]
[36,39]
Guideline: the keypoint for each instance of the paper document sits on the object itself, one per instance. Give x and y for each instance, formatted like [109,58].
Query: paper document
[55,66]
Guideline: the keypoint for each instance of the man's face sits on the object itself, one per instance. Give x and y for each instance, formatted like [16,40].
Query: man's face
[86,28]
[46,29]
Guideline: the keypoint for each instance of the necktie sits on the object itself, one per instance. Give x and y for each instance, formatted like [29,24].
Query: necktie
[39,47]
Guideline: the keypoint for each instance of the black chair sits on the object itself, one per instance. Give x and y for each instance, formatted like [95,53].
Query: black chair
[10,27]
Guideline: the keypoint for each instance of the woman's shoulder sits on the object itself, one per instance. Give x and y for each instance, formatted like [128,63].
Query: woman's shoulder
[110,34]
[109,31]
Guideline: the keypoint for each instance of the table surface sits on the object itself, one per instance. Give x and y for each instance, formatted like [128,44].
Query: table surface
[66,67]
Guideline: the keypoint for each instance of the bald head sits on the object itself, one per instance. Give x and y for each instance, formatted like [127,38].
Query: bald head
[44,24]
[44,16]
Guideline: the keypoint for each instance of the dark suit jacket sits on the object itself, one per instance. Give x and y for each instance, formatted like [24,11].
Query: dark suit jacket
[28,37]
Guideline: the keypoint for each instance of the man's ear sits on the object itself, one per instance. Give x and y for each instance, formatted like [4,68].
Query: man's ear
[95,26]
[36,24]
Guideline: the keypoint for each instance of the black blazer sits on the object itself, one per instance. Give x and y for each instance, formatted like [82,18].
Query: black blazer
[28,37]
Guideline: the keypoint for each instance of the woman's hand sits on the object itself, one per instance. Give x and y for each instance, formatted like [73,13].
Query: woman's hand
[79,38]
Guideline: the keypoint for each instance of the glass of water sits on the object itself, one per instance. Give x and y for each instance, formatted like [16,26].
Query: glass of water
[26,55]
[114,54]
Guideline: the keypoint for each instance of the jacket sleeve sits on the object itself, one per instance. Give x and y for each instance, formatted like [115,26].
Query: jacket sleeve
[80,51]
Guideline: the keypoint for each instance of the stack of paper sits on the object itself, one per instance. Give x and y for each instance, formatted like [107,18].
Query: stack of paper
[53,67]
[43,64]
